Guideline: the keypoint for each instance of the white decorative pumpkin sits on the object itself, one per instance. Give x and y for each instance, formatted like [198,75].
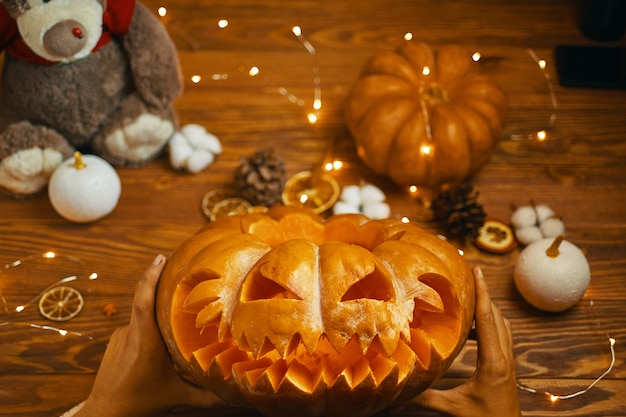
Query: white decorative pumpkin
[552,274]
[84,188]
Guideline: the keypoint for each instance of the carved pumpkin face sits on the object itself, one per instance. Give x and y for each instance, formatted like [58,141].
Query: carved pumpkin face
[286,312]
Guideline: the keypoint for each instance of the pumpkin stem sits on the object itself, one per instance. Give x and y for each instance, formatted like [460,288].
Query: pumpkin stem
[435,94]
[78,161]
[553,250]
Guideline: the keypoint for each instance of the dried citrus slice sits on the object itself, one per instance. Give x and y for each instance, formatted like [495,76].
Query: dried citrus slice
[213,197]
[495,236]
[317,192]
[61,303]
[230,207]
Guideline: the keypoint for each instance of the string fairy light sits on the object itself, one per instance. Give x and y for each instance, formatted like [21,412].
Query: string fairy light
[556,397]
[17,310]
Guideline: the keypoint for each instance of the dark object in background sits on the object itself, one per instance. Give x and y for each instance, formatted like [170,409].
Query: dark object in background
[602,20]
[591,66]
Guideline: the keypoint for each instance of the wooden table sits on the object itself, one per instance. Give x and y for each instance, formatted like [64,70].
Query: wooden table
[579,171]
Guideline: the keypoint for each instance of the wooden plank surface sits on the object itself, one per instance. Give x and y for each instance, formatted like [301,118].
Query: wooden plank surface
[579,171]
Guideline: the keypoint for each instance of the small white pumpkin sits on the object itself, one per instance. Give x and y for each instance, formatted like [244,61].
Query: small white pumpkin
[552,274]
[84,188]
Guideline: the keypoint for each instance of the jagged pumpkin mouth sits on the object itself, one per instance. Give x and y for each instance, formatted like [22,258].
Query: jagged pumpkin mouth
[306,358]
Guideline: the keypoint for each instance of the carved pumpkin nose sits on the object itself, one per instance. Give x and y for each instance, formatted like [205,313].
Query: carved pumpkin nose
[78,33]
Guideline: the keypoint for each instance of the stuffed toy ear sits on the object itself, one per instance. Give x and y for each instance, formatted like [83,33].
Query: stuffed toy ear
[8,27]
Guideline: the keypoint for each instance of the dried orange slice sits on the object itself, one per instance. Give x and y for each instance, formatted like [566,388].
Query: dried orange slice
[61,303]
[495,236]
[230,207]
[213,197]
[316,192]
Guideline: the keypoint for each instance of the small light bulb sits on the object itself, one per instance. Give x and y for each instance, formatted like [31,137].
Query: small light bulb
[337,165]
[303,198]
[222,23]
[426,70]
[405,220]
[542,63]
[312,118]
[254,71]
[408,36]
[554,398]
[93,276]
[49,255]
[413,189]
[296,30]
[162,11]
[612,341]
[476,56]
[196,79]
[317,104]
[63,332]
[328,166]
[19,309]
[426,149]
[542,135]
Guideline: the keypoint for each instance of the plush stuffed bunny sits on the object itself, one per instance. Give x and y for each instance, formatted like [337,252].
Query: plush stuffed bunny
[100,75]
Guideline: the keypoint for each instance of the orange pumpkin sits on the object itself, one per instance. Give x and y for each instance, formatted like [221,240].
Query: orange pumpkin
[425,118]
[291,314]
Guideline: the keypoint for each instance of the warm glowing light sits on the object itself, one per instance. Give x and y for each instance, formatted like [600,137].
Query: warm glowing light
[476,56]
[612,341]
[408,36]
[222,23]
[542,135]
[162,11]
[426,70]
[217,77]
[554,398]
[312,118]
[461,252]
[426,149]
[413,189]
[405,220]
[19,309]
[254,71]
[63,332]
[196,79]
[337,164]
[303,198]
[49,255]
[297,30]
[328,166]
[317,104]
[93,276]
[542,63]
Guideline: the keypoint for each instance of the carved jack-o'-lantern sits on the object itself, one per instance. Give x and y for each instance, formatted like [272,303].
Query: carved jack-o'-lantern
[288,313]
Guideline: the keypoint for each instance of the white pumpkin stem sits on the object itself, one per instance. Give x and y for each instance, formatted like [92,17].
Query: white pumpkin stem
[553,250]
[78,161]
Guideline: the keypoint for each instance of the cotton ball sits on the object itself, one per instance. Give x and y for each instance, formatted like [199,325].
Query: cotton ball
[552,227]
[528,234]
[544,212]
[524,216]
[377,210]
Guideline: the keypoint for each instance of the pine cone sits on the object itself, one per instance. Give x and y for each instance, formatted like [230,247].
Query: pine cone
[458,207]
[260,178]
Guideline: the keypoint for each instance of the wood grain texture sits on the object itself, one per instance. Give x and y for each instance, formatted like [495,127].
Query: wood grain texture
[579,171]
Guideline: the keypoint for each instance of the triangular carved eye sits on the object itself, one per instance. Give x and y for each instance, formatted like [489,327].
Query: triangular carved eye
[374,286]
[261,288]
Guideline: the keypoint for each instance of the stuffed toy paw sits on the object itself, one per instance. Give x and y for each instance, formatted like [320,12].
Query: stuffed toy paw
[92,75]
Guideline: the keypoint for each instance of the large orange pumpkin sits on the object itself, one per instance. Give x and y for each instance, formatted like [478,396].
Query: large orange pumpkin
[296,315]
[425,118]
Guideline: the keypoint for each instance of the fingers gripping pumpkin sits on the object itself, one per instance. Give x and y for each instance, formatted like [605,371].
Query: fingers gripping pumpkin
[288,313]
[425,118]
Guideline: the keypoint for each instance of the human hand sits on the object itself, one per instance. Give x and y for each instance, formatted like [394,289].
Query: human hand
[136,377]
[492,389]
